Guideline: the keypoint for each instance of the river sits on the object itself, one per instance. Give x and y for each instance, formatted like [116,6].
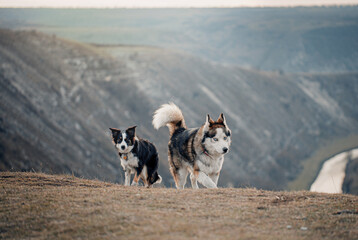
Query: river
[331,176]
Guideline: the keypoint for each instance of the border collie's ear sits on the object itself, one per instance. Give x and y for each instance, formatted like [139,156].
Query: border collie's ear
[114,130]
[221,119]
[131,131]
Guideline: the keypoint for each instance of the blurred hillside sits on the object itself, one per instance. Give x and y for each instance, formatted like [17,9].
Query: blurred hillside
[306,39]
[350,184]
[59,97]
[278,120]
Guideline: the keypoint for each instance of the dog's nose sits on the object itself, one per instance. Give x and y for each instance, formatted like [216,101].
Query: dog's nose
[225,150]
[123,147]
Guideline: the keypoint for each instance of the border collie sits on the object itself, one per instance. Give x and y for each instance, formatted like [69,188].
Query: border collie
[138,157]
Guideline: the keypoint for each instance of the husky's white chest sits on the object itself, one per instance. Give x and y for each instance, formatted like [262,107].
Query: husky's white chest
[210,165]
[129,161]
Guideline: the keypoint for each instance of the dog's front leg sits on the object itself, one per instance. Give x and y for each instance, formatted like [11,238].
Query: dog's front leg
[205,180]
[127,177]
[135,179]
[215,177]
[194,182]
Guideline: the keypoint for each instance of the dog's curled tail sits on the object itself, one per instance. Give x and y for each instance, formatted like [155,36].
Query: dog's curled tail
[169,115]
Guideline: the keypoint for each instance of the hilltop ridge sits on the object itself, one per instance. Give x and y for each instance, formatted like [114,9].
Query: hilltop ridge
[35,205]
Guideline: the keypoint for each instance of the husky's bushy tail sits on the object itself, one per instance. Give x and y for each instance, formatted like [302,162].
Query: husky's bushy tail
[169,115]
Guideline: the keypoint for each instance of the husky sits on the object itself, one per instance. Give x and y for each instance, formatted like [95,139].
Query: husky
[138,157]
[198,151]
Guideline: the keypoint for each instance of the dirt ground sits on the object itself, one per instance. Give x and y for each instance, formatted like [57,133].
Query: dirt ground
[40,206]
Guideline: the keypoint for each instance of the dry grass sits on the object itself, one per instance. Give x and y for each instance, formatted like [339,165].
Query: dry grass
[50,207]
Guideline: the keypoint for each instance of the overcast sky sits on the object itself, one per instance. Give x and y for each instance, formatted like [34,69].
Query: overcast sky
[171,3]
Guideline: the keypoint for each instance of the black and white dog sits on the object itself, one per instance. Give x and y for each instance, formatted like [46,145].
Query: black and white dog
[198,151]
[138,157]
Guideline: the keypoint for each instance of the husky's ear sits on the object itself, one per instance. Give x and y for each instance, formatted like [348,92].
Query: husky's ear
[208,123]
[222,119]
[131,131]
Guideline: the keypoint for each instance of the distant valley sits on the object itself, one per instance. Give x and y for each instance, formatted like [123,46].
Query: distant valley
[301,39]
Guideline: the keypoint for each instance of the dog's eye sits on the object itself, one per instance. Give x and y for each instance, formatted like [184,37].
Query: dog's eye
[215,139]
[225,138]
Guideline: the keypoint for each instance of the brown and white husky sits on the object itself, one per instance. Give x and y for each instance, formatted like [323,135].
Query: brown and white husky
[198,151]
